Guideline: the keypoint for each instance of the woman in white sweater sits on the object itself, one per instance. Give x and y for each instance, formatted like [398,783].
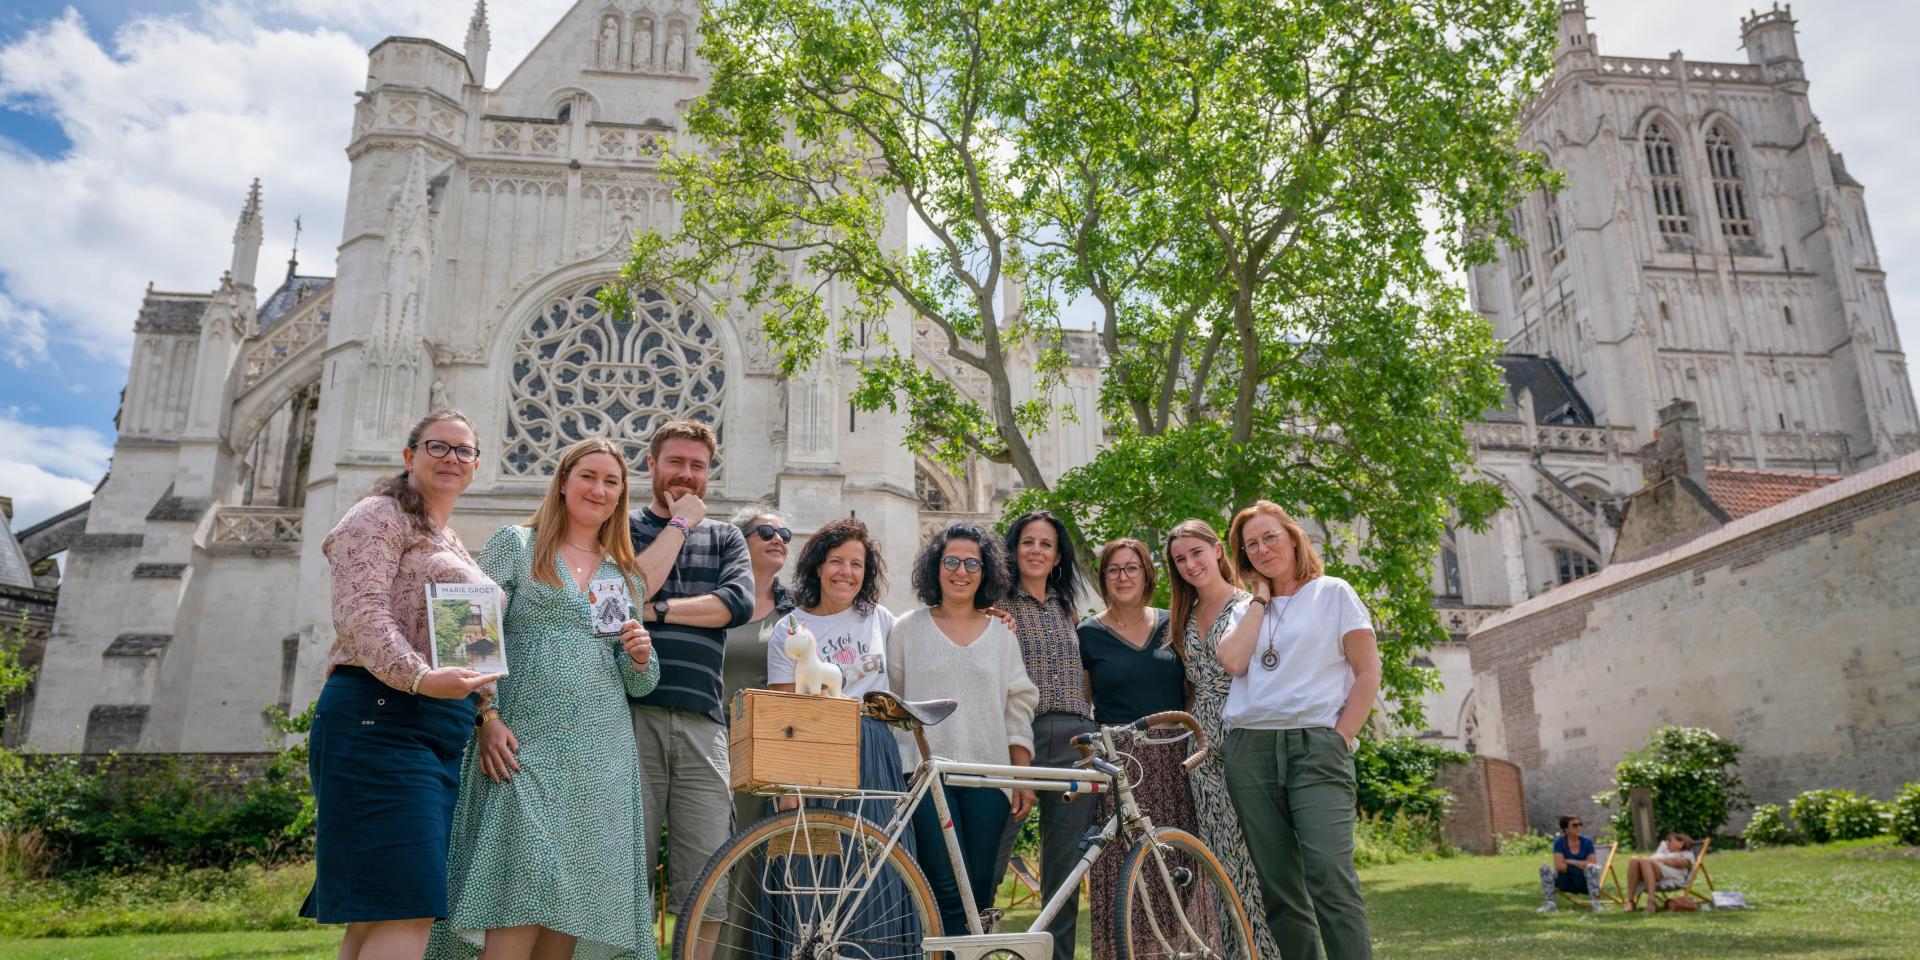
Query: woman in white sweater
[954,648]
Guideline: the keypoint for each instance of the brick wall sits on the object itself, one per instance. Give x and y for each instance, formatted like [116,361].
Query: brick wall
[1793,632]
[1488,803]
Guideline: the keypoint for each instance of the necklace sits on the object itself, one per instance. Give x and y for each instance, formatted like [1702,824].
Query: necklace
[1271,660]
[577,568]
[1115,621]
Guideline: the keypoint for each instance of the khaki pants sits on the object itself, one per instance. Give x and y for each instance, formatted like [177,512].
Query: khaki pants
[1293,791]
[683,784]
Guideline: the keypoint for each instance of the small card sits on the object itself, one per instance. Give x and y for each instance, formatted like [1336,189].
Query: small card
[465,619]
[607,598]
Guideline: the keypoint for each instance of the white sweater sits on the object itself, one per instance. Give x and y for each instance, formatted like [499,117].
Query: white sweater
[987,676]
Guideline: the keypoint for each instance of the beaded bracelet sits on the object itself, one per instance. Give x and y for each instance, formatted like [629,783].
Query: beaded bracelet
[681,522]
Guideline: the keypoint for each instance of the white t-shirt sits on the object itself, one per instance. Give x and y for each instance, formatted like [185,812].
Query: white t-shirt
[854,643]
[1310,684]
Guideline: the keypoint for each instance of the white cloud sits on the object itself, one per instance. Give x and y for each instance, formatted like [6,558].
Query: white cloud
[48,469]
[23,333]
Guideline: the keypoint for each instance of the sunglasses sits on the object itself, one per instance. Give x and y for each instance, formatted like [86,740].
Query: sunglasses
[768,531]
[954,563]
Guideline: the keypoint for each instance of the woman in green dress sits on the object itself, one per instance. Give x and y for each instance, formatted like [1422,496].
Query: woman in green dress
[548,858]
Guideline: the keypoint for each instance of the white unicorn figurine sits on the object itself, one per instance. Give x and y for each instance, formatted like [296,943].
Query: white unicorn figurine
[811,675]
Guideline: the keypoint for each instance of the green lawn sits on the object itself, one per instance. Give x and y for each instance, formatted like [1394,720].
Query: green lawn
[1856,901]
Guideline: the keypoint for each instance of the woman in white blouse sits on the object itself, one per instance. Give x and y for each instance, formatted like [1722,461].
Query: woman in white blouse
[1305,674]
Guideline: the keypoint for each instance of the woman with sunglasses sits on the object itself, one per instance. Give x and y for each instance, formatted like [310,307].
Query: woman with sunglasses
[389,728]
[957,647]
[1134,672]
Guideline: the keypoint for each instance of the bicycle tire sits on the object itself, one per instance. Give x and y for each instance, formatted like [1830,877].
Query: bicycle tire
[1144,912]
[826,834]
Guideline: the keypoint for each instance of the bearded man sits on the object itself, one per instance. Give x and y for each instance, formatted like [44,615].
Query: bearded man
[706,587]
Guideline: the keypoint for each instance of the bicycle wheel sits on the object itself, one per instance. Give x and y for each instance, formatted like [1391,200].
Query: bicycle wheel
[1190,911]
[788,887]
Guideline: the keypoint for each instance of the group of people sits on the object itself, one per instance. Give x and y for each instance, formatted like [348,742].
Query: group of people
[1576,869]
[519,816]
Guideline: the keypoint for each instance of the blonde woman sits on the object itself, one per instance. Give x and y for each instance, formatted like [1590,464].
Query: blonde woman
[1205,605]
[1305,673]
[548,856]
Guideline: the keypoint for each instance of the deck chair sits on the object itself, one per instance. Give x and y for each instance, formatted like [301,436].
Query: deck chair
[1667,889]
[1026,883]
[1609,880]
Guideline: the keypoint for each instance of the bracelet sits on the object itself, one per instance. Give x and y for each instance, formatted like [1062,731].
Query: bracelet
[686,530]
[1257,600]
[414,687]
[481,720]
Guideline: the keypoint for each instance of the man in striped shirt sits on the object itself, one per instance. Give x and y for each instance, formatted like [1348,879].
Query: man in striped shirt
[705,588]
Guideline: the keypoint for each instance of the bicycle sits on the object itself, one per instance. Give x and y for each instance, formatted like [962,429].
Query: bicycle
[816,867]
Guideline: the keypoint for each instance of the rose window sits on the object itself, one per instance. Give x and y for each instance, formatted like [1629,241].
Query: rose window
[581,371]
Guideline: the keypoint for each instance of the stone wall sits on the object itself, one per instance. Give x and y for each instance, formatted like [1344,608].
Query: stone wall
[1489,802]
[1790,631]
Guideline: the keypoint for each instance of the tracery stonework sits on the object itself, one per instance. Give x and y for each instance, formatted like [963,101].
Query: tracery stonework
[581,371]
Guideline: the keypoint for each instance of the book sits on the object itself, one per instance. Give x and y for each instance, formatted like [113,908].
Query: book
[608,603]
[465,618]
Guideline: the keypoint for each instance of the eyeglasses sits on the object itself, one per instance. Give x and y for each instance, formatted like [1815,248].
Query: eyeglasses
[1124,572]
[1271,543]
[951,562]
[438,449]
[768,531]
[1574,823]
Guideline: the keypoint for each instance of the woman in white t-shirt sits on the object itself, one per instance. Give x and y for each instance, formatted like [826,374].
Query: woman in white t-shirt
[837,585]
[1305,673]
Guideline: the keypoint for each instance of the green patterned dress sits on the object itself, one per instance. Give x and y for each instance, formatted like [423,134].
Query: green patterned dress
[561,844]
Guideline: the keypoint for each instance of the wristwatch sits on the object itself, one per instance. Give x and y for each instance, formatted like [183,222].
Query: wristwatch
[659,611]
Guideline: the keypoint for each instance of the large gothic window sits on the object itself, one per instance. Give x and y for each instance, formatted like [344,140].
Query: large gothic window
[1556,237]
[1570,565]
[580,371]
[1669,187]
[1730,190]
[1522,257]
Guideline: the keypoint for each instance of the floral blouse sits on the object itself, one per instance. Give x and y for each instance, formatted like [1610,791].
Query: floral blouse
[382,564]
[1050,645]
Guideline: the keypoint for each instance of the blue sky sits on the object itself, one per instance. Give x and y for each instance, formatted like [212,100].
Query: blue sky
[130,130]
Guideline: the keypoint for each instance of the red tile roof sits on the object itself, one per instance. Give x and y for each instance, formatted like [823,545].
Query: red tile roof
[1740,492]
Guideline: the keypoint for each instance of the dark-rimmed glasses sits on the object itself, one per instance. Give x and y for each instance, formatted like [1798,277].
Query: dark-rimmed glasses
[952,562]
[768,531]
[438,449]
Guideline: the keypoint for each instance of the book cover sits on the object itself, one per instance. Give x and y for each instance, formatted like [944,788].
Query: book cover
[466,626]
[607,601]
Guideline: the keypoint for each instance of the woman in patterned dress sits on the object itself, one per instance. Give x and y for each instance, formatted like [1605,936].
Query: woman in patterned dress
[384,752]
[548,858]
[1205,605]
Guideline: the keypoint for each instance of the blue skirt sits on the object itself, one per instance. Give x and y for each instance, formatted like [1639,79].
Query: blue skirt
[386,772]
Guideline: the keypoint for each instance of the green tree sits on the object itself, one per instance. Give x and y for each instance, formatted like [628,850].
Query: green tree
[1263,198]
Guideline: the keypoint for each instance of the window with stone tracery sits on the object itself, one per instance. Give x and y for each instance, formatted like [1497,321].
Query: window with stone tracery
[1522,257]
[581,371]
[1730,190]
[1669,187]
[1570,564]
[1556,239]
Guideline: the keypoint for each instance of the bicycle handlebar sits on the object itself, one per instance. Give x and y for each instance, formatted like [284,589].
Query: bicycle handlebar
[1084,742]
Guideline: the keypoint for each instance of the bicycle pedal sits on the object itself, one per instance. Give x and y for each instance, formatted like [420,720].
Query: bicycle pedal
[990,919]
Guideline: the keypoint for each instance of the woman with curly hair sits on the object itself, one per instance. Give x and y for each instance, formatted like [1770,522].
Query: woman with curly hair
[956,647]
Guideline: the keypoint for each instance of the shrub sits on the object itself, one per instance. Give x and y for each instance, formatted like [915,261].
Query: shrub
[1689,771]
[1906,815]
[1525,844]
[1396,777]
[1381,840]
[1810,812]
[1853,817]
[1769,828]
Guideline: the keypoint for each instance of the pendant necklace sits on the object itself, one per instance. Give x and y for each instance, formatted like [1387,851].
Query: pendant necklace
[577,569]
[1271,660]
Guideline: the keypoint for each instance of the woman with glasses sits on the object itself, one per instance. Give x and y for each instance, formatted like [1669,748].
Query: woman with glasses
[1134,672]
[1305,674]
[955,647]
[1575,869]
[1205,605]
[389,728]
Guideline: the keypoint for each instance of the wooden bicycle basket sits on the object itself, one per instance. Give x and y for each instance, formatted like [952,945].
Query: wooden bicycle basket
[778,738]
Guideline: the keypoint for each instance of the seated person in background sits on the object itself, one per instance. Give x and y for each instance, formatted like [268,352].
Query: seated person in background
[1671,863]
[1575,869]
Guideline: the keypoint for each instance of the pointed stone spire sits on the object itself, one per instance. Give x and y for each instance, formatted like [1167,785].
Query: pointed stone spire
[247,237]
[479,40]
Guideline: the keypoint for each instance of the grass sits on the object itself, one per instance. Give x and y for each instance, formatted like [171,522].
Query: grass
[1844,901]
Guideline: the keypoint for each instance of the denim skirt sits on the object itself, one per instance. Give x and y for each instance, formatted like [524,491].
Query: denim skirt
[386,772]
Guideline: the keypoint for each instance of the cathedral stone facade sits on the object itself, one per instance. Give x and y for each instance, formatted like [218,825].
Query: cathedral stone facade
[480,221]
[1708,246]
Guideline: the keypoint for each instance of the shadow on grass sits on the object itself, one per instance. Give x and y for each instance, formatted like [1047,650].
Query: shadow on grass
[1430,921]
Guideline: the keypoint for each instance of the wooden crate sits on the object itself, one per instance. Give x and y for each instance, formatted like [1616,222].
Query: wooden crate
[791,738]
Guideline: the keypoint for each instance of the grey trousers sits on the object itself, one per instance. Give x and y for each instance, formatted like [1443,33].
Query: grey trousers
[1062,825]
[1294,793]
[684,788]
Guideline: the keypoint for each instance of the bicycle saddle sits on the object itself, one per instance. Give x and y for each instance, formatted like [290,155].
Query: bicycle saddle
[887,708]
